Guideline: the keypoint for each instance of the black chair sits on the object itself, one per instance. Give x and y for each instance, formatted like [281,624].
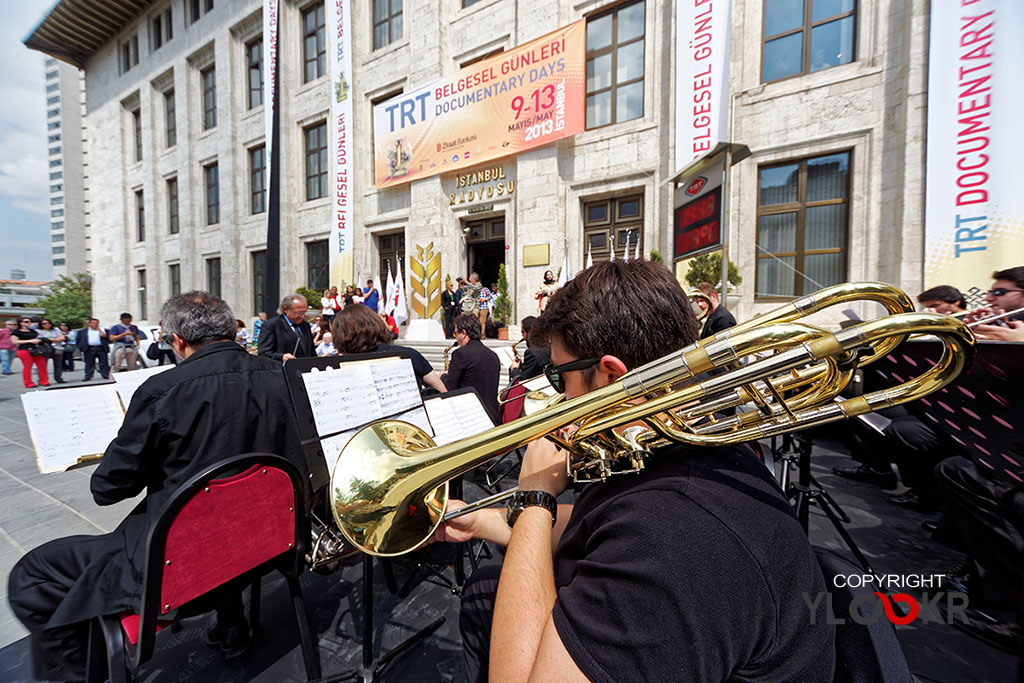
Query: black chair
[865,653]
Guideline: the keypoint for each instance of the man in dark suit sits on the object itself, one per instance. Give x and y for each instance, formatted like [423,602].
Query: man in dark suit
[473,364]
[534,358]
[288,335]
[719,319]
[219,402]
[93,342]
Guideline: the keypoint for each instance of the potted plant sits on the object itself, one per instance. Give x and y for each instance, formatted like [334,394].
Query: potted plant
[502,309]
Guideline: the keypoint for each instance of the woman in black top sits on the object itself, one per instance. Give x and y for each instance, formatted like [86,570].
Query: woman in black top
[357,329]
[25,338]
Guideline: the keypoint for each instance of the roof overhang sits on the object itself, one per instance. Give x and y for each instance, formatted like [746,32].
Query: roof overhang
[74,29]
[697,166]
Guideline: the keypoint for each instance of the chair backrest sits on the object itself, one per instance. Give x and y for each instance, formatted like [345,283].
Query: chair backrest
[514,397]
[865,653]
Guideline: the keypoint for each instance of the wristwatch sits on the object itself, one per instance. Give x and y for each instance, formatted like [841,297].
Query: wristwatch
[521,500]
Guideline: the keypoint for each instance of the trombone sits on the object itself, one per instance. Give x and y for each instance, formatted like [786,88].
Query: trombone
[701,312]
[389,487]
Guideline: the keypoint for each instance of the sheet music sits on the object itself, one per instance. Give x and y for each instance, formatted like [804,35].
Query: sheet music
[456,417]
[342,398]
[69,424]
[127,382]
[396,385]
[332,445]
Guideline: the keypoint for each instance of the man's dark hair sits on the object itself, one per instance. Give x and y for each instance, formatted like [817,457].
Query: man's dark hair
[126,314]
[633,310]
[199,318]
[468,323]
[357,329]
[947,293]
[527,323]
[707,289]
[1014,275]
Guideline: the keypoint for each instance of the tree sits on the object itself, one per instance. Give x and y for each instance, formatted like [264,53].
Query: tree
[708,268]
[312,296]
[70,300]
[655,256]
[503,306]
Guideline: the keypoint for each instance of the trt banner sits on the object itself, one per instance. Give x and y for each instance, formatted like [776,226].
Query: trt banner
[270,16]
[974,215]
[339,56]
[515,101]
[702,77]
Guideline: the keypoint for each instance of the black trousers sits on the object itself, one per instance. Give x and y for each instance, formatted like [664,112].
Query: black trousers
[68,358]
[912,445]
[40,581]
[58,362]
[168,355]
[478,596]
[93,354]
[983,519]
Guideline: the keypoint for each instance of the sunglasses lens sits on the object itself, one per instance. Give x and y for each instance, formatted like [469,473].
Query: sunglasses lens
[997,292]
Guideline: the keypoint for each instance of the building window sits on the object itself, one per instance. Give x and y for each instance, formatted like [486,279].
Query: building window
[172,206]
[213,276]
[254,58]
[209,78]
[57,188]
[51,74]
[141,279]
[56,213]
[137,133]
[174,278]
[314,49]
[57,176]
[317,265]
[170,124]
[258,179]
[802,37]
[56,200]
[53,125]
[52,113]
[198,8]
[58,250]
[802,217]
[57,225]
[618,222]
[54,163]
[615,66]
[57,237]
[58,262]
[316,161]
[162,32]
[259,282]
[387,22]
[140,217]
[54,150]
[211,178]
[53,138]
[53,87]
[53,100]
[129,53]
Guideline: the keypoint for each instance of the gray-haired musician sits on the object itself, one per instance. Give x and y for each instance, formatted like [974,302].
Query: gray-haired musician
[691,570]
[221,401]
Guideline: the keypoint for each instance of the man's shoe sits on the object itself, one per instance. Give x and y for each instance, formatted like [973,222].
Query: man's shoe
[887,480]
[910,500]
[232,642]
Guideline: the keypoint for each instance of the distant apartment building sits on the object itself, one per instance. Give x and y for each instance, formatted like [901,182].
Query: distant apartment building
[65,87]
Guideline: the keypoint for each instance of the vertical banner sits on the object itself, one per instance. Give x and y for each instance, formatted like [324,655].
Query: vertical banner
[270,10]
[339,55]
[702,77]
[529,96]
[974,215]
[271,120]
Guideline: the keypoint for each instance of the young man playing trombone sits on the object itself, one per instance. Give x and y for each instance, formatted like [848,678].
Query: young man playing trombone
[690,570]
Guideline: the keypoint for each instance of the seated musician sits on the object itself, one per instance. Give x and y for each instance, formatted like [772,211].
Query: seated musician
[219,402]
[942,299]
[534,358]
[693,569]
[1005,296]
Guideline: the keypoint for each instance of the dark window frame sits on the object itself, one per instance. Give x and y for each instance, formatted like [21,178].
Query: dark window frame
[257,179]
[613,49]
[211,183]
[140,216]
[173,218]
[805,28]
[208,78]
[318,265]
[253,68]
[174,279]
[314,65]
[388,21]
[613,226]
[259,281]
[170,120]
[142,291]
[800,207]
[213,276]
[137,133]
[318,177]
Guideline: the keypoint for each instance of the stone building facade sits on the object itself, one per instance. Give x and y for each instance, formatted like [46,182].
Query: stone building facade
[830,99]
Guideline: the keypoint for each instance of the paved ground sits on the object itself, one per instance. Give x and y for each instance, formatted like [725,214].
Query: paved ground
[37,508]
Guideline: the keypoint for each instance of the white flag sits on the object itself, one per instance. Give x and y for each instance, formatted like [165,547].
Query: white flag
[590,259]
[625,250]
[389,296]
[400,311]
[612,245]
[377,285]
[636,255]
[564,276]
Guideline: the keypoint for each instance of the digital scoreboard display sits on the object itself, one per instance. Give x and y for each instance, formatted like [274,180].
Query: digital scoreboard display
[697,225]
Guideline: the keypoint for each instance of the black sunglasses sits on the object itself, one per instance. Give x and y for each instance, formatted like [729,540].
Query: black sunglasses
[554,372]
[999,291]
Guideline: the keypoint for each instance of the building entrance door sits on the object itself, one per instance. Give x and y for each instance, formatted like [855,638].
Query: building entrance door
[391,248]
[485,244]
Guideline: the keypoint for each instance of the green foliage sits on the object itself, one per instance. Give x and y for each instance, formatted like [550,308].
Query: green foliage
[708,268]
[312,296]
[70,301]
[503,306]
[656,256]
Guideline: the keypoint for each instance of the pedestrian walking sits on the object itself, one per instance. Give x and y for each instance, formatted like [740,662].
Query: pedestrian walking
[30,353]
[7,347]
[57,343]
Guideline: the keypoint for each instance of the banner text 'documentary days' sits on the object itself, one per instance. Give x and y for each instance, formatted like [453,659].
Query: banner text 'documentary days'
[509,103]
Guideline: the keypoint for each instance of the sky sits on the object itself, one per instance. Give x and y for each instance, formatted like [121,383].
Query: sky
[24,180]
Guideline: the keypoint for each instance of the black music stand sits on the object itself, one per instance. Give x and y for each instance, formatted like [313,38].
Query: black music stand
[319,479]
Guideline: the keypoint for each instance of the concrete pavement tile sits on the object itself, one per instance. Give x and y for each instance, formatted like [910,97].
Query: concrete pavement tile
[43,514]
[11,631]
[35,536]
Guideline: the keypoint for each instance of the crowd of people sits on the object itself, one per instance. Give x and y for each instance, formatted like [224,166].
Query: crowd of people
[585,590]
[472,297]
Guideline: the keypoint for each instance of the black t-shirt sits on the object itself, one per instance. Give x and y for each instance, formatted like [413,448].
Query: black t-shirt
[690,571]
[420,365]
[24,334]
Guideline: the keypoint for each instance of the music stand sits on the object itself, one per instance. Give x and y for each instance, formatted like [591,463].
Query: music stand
[319,479]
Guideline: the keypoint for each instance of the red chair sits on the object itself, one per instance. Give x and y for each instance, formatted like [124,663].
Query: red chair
[213,533]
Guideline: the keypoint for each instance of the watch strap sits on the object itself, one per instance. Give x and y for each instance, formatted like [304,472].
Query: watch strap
[523,499]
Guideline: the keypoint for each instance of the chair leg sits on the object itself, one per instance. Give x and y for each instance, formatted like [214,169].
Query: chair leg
[255,594]
[310,647]
[96,655]
[113,639]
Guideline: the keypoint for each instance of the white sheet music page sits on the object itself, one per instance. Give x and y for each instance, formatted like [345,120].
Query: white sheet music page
[396,385]
[126,383]
[456,417]
[69,424]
